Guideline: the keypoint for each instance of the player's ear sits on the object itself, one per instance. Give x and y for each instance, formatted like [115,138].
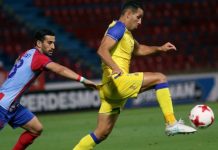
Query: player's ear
[128,13]
[39,43]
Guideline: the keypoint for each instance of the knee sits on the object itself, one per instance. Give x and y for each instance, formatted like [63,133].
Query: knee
[38,130]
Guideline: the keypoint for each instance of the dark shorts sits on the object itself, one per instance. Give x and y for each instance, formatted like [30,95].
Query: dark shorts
[16,118]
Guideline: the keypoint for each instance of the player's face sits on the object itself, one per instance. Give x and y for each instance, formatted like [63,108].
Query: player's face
[135,19]
[48,45]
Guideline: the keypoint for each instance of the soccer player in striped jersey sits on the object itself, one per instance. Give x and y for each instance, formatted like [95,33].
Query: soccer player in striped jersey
[26,69]
[116,49]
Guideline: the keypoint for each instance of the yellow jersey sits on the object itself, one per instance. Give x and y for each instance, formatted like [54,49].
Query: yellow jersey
[122,51]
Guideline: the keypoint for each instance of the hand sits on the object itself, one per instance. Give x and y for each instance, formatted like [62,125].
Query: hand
[117,72]
[167,46]
[90,84]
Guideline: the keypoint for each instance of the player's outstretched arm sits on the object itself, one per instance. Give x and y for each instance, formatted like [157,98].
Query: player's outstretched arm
[70,74]
[142,50]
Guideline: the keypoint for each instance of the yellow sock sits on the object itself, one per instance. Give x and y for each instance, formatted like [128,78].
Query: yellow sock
[165,102]
[86,143]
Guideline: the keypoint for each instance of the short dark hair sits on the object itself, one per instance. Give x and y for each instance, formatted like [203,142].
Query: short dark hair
[40,34]
[131,4]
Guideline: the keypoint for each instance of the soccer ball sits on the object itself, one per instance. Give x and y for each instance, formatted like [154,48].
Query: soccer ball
[201,116]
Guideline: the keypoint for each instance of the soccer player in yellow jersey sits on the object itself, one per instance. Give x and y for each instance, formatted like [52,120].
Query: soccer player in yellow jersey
[118,84]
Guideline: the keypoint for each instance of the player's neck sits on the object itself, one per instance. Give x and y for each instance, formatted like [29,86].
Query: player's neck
[124,21]
[39,49]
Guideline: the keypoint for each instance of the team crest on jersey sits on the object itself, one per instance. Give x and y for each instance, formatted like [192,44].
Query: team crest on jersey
[133,87]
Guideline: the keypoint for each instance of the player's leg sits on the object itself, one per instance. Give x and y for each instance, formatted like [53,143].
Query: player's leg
[108,114]
[33,128]
[105,125]
[158,81]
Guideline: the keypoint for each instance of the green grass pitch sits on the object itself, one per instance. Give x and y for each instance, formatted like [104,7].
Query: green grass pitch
[136,129]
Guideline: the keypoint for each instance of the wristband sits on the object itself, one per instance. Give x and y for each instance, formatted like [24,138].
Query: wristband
[81,79]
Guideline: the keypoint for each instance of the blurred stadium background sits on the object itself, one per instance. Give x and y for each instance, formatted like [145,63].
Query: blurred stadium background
[79,26]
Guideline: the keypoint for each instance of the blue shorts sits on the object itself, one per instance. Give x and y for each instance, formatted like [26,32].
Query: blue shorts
[17,118]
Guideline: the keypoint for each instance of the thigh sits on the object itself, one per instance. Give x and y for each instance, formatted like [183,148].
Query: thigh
[20,117]
[124,86]
[34,126]
[111,106]
[152,78]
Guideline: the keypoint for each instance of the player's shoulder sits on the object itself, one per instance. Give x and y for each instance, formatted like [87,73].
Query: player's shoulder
[30,53]
[117,24]
[116,30]
[37,53]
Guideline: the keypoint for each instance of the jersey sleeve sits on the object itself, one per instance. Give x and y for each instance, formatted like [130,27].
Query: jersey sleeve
[39,61]
[117,31]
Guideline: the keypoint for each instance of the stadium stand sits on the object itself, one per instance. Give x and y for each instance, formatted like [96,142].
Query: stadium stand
[190,24]
[185,23]
[67,51]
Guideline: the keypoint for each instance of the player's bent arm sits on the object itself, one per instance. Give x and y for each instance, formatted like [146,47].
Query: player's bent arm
[143,50]
[68,73]
[107,44]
